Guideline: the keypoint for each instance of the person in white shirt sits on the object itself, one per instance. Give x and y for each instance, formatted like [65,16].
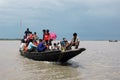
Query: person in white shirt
[22,45]
[75,41]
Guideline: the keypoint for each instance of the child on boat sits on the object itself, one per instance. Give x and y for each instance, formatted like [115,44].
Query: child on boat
[64,44]
[56,46]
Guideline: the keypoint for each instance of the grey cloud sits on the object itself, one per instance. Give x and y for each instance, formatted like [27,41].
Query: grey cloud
[77,14]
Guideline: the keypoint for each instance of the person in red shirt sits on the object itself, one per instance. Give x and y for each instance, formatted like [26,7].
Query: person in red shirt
[47,37]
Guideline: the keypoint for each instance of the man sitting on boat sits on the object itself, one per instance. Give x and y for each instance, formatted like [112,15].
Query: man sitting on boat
[75,41]
[31,46]
[41,46]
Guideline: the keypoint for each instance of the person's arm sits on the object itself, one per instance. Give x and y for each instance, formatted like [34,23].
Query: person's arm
[72,40]
[33,45]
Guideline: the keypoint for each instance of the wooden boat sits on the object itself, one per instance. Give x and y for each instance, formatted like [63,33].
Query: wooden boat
[54,56]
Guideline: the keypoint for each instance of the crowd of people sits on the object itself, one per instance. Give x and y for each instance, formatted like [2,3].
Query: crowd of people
[31,42]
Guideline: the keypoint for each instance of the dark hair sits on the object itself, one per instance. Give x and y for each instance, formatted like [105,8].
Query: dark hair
[47,30]
[31,40]
[58,43]
[27,28]
[44,30]
[55,44]
[34,32]
[40,40]
[74,34]
[63,38]
[23,41]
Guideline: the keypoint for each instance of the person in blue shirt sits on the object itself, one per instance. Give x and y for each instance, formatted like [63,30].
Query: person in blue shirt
[41,46]
[65,44]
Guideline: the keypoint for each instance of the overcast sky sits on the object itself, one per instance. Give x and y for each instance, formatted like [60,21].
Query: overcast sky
[91,19]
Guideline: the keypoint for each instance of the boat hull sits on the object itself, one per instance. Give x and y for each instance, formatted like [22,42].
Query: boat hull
[53,56]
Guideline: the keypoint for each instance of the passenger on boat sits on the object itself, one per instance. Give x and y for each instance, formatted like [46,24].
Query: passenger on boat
[56,46]
[29,38]
[31,47]
[64,44]
[27,32]
[41,46]
[22,45]
[75,41]
[35,36]
[47,37]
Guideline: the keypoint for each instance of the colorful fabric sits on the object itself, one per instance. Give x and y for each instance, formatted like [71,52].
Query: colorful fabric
[53,35]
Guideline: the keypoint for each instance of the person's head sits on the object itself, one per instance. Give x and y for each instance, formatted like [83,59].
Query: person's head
[74,34]
[35,33]
[31,40]
[40,40]
[64,39]
[27,29]
[55,44]
[58,43]
[47,30]
[44,30]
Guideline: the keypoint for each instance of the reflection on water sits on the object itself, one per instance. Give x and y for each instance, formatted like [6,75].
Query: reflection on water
[99,62]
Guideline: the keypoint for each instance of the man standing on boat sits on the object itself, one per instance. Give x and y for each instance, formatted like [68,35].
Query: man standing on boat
[27,32]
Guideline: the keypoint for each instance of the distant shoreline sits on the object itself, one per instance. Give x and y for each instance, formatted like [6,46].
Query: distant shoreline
[10,39]
[59,40]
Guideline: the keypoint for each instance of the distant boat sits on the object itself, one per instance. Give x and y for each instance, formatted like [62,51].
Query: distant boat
[113,40]
[54,56]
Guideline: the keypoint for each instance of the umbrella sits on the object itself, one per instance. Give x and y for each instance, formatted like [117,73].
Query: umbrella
[53,35]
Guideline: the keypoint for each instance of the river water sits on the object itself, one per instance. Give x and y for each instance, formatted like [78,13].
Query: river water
[101,61]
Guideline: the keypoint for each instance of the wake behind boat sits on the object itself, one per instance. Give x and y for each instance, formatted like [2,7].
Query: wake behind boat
[53,56]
